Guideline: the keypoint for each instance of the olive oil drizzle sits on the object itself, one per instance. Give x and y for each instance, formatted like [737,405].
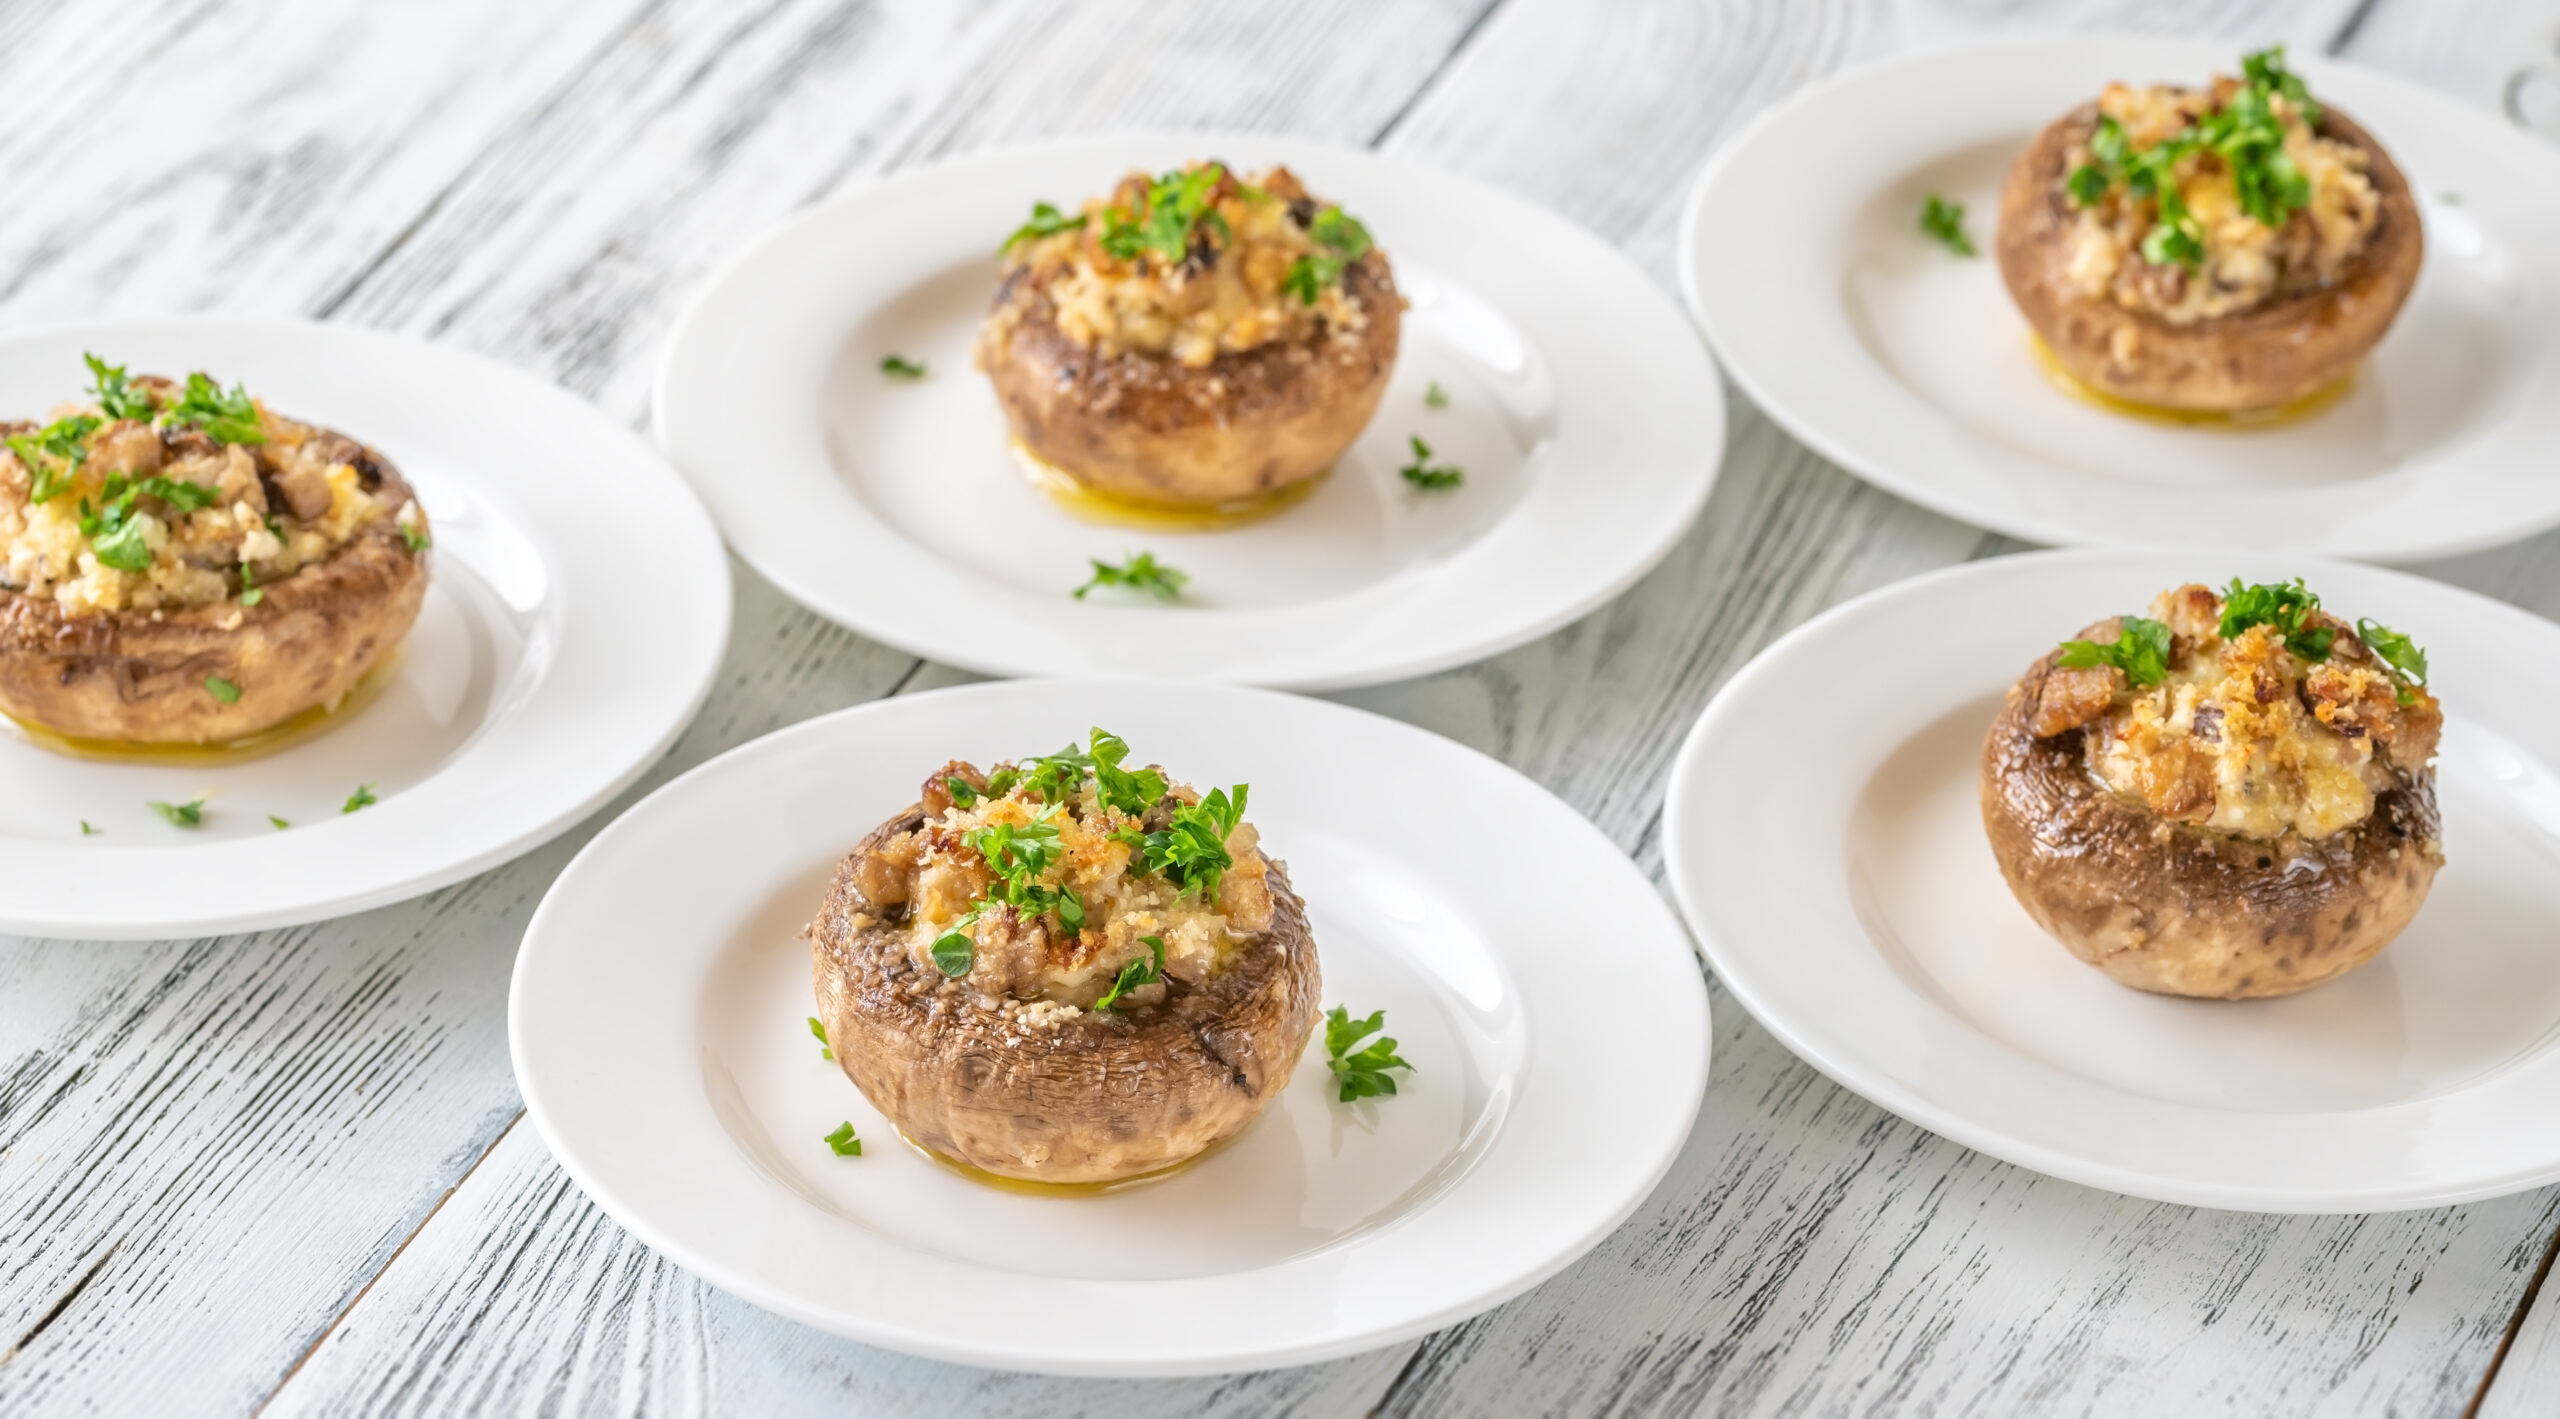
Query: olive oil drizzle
[2292,411]
[1113,510]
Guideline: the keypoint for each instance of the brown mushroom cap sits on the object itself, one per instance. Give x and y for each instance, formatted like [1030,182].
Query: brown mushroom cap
[139,678]
[1151,429]
[1094,1098]
[2259,358]
[2172,908]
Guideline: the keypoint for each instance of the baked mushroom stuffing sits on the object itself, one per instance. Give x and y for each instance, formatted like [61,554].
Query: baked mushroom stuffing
[1064,969]
[1194,339]
[2232,796]
[179,563]
[2139,231]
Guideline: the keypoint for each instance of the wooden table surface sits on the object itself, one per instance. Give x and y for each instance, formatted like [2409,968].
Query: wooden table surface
[289,1171]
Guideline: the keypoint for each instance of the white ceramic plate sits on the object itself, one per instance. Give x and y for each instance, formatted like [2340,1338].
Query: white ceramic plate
[1909,366]
[1584,410]
[1857,912]
[1558,1033]
[577,607]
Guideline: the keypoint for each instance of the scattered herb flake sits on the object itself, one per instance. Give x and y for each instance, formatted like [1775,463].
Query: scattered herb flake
[86,831]
[280,823]
[1435,397]
[1421,474]
[179,815]
[900,367]
[222,689]
[825,1050]
[954,953]
[963,792]
[361,798]
[843,1141]
[1944,222]
[417,541]
[1142,572]
[224,418]
[1363,1072]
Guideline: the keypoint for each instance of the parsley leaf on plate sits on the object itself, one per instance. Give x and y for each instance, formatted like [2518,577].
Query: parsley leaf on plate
[1944,222]
[843,1141]
[361,798]
[179,815]
[1142,572]
[900,367]
[1421,474]
[1363,1071]
[825,1050]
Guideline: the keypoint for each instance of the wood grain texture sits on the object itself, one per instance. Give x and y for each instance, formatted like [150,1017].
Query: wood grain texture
[218,1156]
[2526,1384]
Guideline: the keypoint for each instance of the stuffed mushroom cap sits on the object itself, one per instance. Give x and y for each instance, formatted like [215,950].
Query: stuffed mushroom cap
[2285,250]
[181,565]
[959,998]
[1196,340]
[2200,803]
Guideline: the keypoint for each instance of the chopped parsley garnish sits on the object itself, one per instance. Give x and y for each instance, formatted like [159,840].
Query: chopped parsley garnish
[250,592]
[2141,651]
[843,1141]
[179,815]
[52,453]
[1131,792]
[2245,134]
[417,541]
[361,798]
[1435,397]
[1146,970]
[115,394]
[222,689]
[1363,1072]
[2286,606]
[86,831]
[1192,852]
[1340,240]
[1944,222]
[1018,853]
[279,822]
[1046,220]
[1421,474]
[961,790]
[115,536]
[900,367]
[1142,572]
[1176,208]
[825,1050]
[224,418]
[954,953]
[2408,663]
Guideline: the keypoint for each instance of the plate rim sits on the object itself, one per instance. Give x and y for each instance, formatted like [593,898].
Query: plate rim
[1715,439]
[1871,1084]
[536,832]
[2023,523]
[1237,1358]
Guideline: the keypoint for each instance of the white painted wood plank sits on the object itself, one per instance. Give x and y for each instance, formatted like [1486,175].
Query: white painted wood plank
[2527,1384]
[166,156]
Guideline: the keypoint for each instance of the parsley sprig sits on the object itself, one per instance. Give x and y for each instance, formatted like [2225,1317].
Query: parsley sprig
[1142,572]
[1177,206]
[2246,133]
[2408,663]
[2286,606]
[2140,650]
[1422,474]
[53,453]
[1192,851]
[1046,220]
[1362,1071]
[1145,970]
[116,394]
[1944,222]
[1340,240]
[224,418]
[114,533]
